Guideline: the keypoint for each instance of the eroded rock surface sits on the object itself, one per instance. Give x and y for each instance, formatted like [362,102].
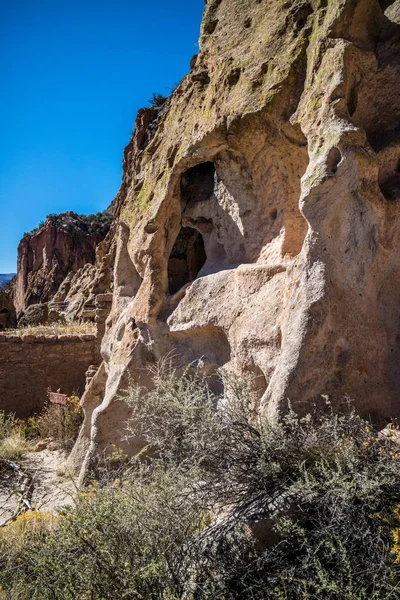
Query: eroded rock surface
[8,317]
[56,275]
[257,226]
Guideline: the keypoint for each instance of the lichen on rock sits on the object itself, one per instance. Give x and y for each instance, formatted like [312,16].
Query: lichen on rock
[256,227]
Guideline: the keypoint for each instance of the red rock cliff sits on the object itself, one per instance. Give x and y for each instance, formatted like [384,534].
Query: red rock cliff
[61,246]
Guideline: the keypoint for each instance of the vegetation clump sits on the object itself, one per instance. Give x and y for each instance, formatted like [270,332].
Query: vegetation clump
[222,505]
[72,328]
[61,423]
[157,100]
[96,225]
[13,442]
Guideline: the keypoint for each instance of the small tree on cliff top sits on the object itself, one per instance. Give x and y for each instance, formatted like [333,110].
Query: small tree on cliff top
[157,100]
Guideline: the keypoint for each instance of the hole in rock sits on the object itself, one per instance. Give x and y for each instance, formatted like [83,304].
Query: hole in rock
[334,158]
[210,26]
[234,76]
[378,101]
[197,183]
[301,17]
[352,100]
[259,382]
[273,213]
[186,260]
[391,187]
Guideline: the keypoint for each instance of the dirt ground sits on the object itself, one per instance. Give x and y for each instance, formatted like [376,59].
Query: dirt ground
[51,487]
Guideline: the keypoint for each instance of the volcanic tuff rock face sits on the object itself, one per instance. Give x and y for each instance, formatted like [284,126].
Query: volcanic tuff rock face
[52,258]
[8,318]
[258,220]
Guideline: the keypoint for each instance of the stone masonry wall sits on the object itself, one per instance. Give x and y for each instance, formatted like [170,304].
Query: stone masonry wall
[30,365]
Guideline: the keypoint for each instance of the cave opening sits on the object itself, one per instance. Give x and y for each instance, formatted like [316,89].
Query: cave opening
[197,183]
[187,258]
[4,318]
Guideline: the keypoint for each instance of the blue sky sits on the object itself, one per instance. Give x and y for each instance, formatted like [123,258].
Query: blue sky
[72,76]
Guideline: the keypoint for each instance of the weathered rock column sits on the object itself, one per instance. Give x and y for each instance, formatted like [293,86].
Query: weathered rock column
[103,303]
[95,384]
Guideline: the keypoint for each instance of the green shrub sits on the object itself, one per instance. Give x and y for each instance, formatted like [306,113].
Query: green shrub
[29,428]
[227,508]
[157,100]
[94,225]
[120,541]
[321,481]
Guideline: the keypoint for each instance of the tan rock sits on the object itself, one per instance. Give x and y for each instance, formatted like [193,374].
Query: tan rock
[28,338]
[41,445]
[53,446]
[257,224]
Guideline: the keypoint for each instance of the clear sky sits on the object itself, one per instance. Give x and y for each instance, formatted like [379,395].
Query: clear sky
[73,74]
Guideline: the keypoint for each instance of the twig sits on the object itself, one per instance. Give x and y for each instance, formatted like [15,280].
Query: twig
[24,493]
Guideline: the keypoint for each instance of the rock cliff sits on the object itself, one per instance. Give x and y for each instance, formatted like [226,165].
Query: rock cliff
[8,317]
[257,226]
[56,266]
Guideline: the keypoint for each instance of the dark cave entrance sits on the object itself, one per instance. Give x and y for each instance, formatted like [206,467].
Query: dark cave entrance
[4,318]
[197,183]
[186,260]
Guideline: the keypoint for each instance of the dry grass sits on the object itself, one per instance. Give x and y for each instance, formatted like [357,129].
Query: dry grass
[14,446]
[62,423]
[55,329]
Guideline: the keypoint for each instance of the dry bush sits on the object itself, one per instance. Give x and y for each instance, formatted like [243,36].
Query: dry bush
[176,526]
[27,524]
[7,424]
[14,446]
[13,442]
[62,423]
[55,329]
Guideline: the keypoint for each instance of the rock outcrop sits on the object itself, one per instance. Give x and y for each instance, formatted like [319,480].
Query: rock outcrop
[8,317]
[56,271]
[257,226]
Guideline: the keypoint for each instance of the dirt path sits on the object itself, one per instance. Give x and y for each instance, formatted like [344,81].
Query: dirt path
[51,487]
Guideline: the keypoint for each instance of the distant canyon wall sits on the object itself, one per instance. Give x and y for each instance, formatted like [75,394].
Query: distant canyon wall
[55,272]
